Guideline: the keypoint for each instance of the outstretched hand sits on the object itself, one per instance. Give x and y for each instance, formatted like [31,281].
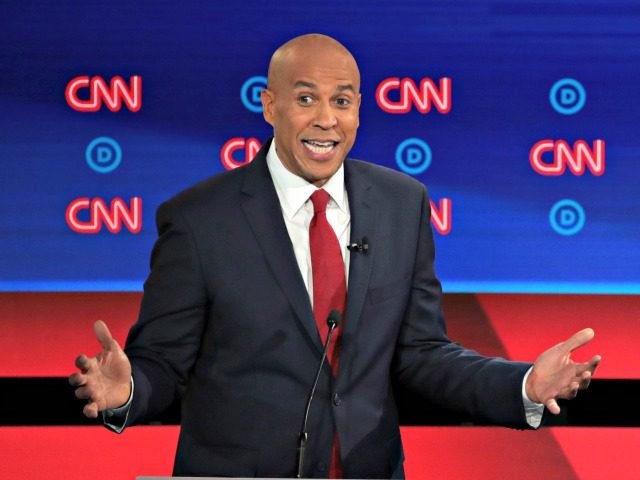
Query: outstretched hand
[104,380]
[555,375]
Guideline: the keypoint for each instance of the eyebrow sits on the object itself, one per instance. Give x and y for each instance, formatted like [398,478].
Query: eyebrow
[311,85]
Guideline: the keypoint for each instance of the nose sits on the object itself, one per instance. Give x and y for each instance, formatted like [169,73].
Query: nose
[325,117]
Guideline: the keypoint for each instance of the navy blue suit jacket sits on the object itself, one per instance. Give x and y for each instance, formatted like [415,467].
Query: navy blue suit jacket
[226,326]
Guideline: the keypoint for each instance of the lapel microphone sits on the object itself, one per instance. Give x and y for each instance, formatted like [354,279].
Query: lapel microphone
[361,247]
[333,321]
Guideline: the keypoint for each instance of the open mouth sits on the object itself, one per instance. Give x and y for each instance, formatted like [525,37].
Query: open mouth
[320,146]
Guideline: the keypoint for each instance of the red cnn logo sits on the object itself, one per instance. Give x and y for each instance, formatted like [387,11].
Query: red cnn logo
[112,95]
[422,97]
[112,217]
[441,216]
[577,159]
[249,145]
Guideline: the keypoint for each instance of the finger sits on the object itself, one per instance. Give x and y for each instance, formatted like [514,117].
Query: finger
[585,380]
[594,362]
[90,410]
[77,379]
[578,339]
[569,392]
[573,390]
[83,363]
[552,406]
[103,334]
[83,393]
[590,366]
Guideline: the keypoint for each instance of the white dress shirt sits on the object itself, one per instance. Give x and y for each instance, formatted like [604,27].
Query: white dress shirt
[294,194]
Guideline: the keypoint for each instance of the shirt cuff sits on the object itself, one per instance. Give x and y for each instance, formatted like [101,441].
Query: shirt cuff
[533,411]
[116,418]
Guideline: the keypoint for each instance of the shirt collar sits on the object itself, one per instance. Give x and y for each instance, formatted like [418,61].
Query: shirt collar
[293,191]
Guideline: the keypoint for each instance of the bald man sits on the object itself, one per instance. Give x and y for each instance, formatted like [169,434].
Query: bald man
[230,324]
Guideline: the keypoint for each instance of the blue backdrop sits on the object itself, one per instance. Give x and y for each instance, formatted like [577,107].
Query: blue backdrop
[503,59]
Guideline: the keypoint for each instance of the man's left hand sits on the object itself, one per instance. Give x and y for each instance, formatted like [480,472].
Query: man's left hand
[556,376]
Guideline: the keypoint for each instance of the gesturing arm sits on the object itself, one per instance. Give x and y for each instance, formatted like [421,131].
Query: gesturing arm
[555,376]
[105,379]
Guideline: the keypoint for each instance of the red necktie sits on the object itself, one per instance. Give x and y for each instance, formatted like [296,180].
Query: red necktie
[329,291]
[329,284]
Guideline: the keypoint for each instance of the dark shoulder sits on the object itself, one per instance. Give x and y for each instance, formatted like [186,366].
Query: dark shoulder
[211,193]
[386,180]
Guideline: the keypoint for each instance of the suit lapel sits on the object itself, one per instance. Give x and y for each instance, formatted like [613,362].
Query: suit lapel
[262,209]
[263,212]
[363,225]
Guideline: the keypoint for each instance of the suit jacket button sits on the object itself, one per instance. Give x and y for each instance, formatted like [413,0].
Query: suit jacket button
[336,400]
[321,467]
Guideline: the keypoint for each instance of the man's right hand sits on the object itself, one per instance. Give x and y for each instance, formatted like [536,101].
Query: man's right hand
[104,380]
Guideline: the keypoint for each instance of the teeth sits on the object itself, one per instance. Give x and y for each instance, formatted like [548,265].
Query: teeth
[319,147]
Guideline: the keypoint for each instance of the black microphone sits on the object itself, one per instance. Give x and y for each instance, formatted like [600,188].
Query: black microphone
[333,321]
[362,247]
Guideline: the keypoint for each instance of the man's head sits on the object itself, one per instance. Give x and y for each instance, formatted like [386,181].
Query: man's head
[312,101]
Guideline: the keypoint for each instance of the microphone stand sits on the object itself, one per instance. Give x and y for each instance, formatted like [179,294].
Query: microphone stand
[332,321]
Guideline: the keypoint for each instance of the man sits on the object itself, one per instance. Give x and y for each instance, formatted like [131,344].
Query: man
[227,319]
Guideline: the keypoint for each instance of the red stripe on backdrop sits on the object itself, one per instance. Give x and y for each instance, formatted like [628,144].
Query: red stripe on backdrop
[529,324]
[490,453]
[601,453]
[468,324]
[481,453]
[70,453]
[41,334]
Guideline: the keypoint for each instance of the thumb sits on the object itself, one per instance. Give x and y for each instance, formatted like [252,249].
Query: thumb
[552,406]
[103,335]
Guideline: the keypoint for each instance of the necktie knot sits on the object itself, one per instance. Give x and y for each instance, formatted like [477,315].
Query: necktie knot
[320,198]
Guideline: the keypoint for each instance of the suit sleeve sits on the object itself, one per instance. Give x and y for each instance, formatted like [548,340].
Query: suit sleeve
[427,362]
[164,343]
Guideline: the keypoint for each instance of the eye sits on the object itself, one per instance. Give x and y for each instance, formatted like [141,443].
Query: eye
[305,99]
[343,102]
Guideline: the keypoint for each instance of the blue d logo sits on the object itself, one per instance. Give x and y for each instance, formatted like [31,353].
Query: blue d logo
[567,96]
[413,156]
[250,93]
[103,154]
[567,217]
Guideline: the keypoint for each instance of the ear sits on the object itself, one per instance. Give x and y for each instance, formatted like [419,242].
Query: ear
[267,105]
[357,109]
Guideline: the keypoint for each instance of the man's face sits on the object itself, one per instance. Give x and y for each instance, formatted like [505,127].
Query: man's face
[313,103]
